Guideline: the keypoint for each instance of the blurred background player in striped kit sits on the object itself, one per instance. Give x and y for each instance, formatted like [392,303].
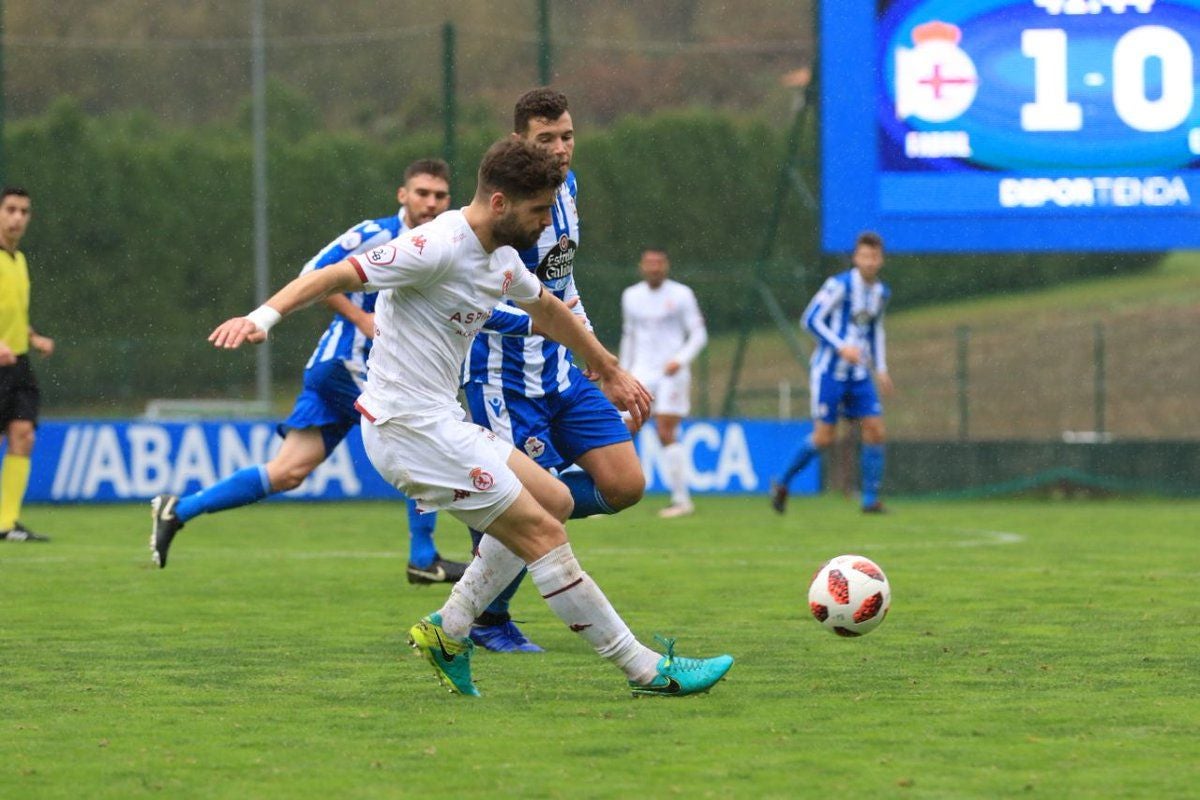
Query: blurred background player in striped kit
[531,393]
[846,318]
[19,396]
[662,331]
[333,378]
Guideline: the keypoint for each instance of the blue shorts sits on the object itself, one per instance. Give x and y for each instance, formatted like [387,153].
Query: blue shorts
[325,402]
[554,430]
[849,399]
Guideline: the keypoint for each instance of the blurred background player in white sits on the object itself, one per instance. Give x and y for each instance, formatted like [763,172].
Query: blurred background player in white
[662,331]
[333,378]
[529,390]
[846,318]
[445,278]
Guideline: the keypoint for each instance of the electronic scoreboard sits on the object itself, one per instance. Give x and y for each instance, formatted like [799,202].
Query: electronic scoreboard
[1006,125]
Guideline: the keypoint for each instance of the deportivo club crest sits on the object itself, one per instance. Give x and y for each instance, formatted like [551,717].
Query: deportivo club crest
[481,479]
[534,447]
[936,81]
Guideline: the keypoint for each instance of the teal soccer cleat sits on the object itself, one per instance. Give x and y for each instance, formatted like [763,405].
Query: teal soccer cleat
[679,676]
[450,657]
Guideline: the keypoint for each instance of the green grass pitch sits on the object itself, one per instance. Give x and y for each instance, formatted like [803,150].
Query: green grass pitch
[1034,648]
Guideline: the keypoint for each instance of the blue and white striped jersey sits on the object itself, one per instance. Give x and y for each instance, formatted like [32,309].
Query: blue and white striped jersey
[532,365]
[342,340]
[848,311]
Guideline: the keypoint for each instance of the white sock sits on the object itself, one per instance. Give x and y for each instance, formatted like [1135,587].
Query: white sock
[484,579]
[578,601]
[676,474]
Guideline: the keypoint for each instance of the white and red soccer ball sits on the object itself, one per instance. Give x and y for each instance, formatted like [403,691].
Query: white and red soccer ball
[850,595]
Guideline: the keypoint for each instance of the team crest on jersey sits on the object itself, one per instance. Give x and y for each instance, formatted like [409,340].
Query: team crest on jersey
[382,255]
[508,279]
[418,242]
[556,267]
[534,447]
[481,479]
[862,317]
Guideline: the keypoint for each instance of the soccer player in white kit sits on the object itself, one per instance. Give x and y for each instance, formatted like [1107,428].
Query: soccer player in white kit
[662,331]
[442,281]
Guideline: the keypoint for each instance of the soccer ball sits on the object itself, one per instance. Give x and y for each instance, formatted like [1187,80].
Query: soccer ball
[850,595]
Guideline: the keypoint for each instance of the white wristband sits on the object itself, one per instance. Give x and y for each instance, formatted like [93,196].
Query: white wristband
[264,317]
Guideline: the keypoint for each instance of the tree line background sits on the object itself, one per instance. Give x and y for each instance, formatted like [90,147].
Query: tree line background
[129,124]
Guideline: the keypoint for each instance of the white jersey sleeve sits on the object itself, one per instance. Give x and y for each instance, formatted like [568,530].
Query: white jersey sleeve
[411,260]
[519,283]
[693,323]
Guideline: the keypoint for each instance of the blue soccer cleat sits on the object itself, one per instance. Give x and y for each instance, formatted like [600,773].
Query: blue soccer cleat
[678,676]
[504,637]
[450,657]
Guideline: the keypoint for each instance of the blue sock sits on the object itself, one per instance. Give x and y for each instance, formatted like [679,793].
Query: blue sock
[421,550]
[871,463]
[242,488]
[805,454]
[587,497]
[499,606]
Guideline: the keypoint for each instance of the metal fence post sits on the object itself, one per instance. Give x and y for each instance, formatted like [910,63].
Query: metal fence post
[449,105]
[963,335]
[1099,377]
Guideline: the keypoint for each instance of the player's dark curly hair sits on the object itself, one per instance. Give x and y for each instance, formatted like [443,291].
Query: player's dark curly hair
[12,190]
[428,166]
[869,239]
[540,103]
[518,169]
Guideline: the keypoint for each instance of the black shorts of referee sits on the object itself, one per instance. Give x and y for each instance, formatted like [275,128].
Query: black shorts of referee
[19,394]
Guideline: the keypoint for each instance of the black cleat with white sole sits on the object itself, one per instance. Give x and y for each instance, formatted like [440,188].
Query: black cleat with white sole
[164,527]
[19,533]
[440,571]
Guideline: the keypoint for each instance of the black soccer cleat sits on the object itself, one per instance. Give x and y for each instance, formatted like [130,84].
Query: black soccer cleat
[875,508]
[163,527]
[440,571]
[19,533]
[779,495]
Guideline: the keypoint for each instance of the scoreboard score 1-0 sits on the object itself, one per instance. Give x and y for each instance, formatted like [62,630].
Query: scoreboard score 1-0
[1004,125]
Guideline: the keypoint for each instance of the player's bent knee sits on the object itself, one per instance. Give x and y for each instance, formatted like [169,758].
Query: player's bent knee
[624,491]
[822,439]
[558,502]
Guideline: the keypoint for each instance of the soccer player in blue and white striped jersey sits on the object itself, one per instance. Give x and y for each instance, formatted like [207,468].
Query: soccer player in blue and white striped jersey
[846,319]
[333,379]
[529,391]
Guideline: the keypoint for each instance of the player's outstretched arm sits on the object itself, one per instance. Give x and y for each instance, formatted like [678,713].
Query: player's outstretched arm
[303,291]
[557,321]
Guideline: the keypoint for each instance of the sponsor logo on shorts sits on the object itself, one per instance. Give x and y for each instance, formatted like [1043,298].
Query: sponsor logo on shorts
[508,279]
[461,494]
[534,447]
[481,479]
[384,254]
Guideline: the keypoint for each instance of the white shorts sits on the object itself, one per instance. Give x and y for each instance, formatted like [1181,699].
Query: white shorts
[445,463]
[672,393]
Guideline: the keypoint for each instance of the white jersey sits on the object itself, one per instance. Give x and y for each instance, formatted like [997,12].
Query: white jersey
[658,326]
[442,288]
